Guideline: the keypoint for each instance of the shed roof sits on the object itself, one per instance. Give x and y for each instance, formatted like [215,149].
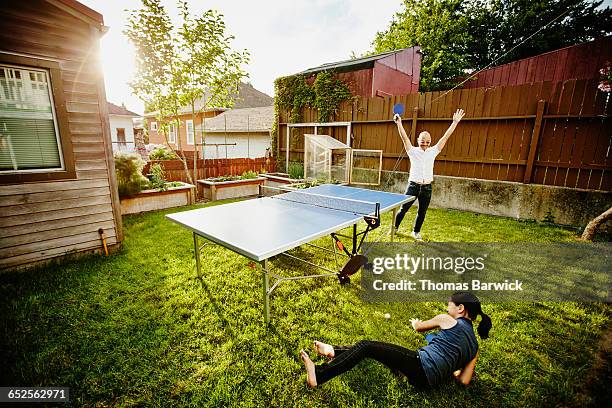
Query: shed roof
[352,64]
[241,120]
[325,141]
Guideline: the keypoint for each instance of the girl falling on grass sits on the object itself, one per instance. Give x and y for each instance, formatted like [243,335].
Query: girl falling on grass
[450,354]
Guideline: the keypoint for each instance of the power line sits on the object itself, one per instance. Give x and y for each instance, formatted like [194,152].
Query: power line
[400,157]
[508,52]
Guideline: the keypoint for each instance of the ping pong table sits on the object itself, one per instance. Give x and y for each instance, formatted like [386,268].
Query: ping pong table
[271,225]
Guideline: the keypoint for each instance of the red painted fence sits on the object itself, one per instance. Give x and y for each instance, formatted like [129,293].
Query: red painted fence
[213,167]
[582,61]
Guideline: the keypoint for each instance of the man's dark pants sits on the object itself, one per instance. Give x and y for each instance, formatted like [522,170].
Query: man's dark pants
[422,192]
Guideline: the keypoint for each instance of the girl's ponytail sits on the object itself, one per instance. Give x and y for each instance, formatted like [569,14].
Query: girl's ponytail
[473,307]
[484,326]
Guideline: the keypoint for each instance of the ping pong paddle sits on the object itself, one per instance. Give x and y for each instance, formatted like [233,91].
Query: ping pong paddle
[398,109]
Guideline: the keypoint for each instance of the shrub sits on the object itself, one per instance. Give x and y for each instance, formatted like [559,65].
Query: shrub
[128,167]
[295,170]
[162,152]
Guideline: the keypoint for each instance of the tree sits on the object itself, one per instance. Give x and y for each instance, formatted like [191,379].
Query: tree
[211,71]
[497,26]
[460,37]
[177,67]
[439,27]
[595,223]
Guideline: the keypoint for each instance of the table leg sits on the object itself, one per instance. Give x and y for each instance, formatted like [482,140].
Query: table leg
[393,215]
[266,293]
[196,248]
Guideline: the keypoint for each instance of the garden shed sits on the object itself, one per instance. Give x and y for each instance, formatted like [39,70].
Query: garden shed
[386,74]
[58,193]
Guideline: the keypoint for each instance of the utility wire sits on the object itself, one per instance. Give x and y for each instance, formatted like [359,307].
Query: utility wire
[482,69]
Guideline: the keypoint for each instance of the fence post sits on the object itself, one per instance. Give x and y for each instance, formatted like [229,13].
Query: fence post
[415,114]
[535,141]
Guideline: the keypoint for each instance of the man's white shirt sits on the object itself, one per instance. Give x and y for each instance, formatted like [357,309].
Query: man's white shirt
[422,163]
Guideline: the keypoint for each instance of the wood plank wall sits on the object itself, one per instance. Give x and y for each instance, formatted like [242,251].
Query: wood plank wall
[39,221]
[497,140]
[582,61]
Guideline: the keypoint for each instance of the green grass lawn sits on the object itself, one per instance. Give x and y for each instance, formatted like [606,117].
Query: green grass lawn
[138,328]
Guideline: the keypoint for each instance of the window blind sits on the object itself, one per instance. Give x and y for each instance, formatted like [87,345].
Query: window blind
[28,136]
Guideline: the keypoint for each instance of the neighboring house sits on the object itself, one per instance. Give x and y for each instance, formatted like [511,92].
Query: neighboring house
[238,133]
[57,174]
[386,74]
[248,97]
[122,127]
[581,61]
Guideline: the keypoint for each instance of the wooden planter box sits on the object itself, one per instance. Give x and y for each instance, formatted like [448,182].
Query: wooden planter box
[221,190]
[151,200]
[280,180]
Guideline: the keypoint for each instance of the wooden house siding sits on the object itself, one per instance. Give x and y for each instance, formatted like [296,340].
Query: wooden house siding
[156,137]
[44,220]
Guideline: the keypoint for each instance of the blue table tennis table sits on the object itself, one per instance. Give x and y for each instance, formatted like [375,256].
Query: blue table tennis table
[283,219]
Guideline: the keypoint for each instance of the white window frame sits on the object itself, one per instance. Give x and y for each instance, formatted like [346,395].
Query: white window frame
[154,126]
[172,133]
[53,115]
[379,153]
[124,141]
[187,124]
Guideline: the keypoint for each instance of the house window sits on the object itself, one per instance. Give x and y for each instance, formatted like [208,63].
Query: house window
[172,133]
[35,140]
[121,136]
[154,126]
[190,134]
[29,135]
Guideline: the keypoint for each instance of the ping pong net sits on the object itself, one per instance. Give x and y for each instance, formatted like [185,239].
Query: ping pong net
[367,209]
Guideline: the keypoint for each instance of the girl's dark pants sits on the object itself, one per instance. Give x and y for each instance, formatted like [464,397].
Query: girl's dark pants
[422,192]
[395,357]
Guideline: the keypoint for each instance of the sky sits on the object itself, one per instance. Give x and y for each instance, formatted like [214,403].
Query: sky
[283,37]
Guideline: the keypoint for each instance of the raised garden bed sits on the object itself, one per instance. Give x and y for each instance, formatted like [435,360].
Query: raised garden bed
[213,190]
[151,200]
[280,179]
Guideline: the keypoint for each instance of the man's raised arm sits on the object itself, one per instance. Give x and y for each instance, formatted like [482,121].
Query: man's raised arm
[457,116]
[400,128]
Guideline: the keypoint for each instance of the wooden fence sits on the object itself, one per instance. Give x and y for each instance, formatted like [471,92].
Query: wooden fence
[582,61]
[546,133]
[214,167]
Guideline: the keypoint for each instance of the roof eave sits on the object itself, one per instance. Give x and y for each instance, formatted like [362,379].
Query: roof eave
[352,65]
[82,12]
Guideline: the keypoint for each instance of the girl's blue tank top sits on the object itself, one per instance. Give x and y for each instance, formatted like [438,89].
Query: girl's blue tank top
[448,351]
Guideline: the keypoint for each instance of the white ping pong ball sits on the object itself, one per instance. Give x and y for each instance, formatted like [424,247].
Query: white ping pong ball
[387,316]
